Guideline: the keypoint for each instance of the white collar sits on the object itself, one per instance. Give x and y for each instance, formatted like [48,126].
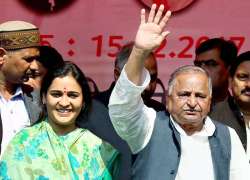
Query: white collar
[18,92]
[207,130]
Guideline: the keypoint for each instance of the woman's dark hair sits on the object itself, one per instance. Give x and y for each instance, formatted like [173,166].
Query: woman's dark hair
[69,68]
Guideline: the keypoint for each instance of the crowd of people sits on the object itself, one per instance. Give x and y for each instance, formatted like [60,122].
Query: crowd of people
[52,127]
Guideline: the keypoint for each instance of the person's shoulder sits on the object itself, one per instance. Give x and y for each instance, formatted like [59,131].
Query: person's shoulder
[31,130]
[220,111]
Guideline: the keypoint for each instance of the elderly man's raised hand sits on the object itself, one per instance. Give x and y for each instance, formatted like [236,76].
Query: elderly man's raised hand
[151,32]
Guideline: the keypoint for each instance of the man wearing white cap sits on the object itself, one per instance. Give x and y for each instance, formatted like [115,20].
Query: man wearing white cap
[18,52]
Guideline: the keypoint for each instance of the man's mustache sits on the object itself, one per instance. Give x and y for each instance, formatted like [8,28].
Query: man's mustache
[192,110]
[245,90]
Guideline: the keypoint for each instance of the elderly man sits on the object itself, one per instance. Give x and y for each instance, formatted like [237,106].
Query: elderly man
[18,51]
[185,145]
[235,111]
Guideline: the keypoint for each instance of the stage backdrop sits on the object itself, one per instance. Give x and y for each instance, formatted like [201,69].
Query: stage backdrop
[90,32]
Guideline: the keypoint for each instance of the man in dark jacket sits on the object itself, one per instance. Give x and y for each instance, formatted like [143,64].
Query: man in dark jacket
[235,110]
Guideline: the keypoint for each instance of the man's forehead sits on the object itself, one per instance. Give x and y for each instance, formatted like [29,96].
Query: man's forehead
[209,54]
[191,73]
[191,78]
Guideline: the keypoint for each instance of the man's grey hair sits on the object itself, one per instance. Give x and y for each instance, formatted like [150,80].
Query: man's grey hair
[187,69]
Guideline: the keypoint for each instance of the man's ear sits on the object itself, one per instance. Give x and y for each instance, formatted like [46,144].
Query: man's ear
[3,54]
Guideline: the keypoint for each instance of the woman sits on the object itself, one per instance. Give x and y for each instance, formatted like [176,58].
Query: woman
[55,148]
